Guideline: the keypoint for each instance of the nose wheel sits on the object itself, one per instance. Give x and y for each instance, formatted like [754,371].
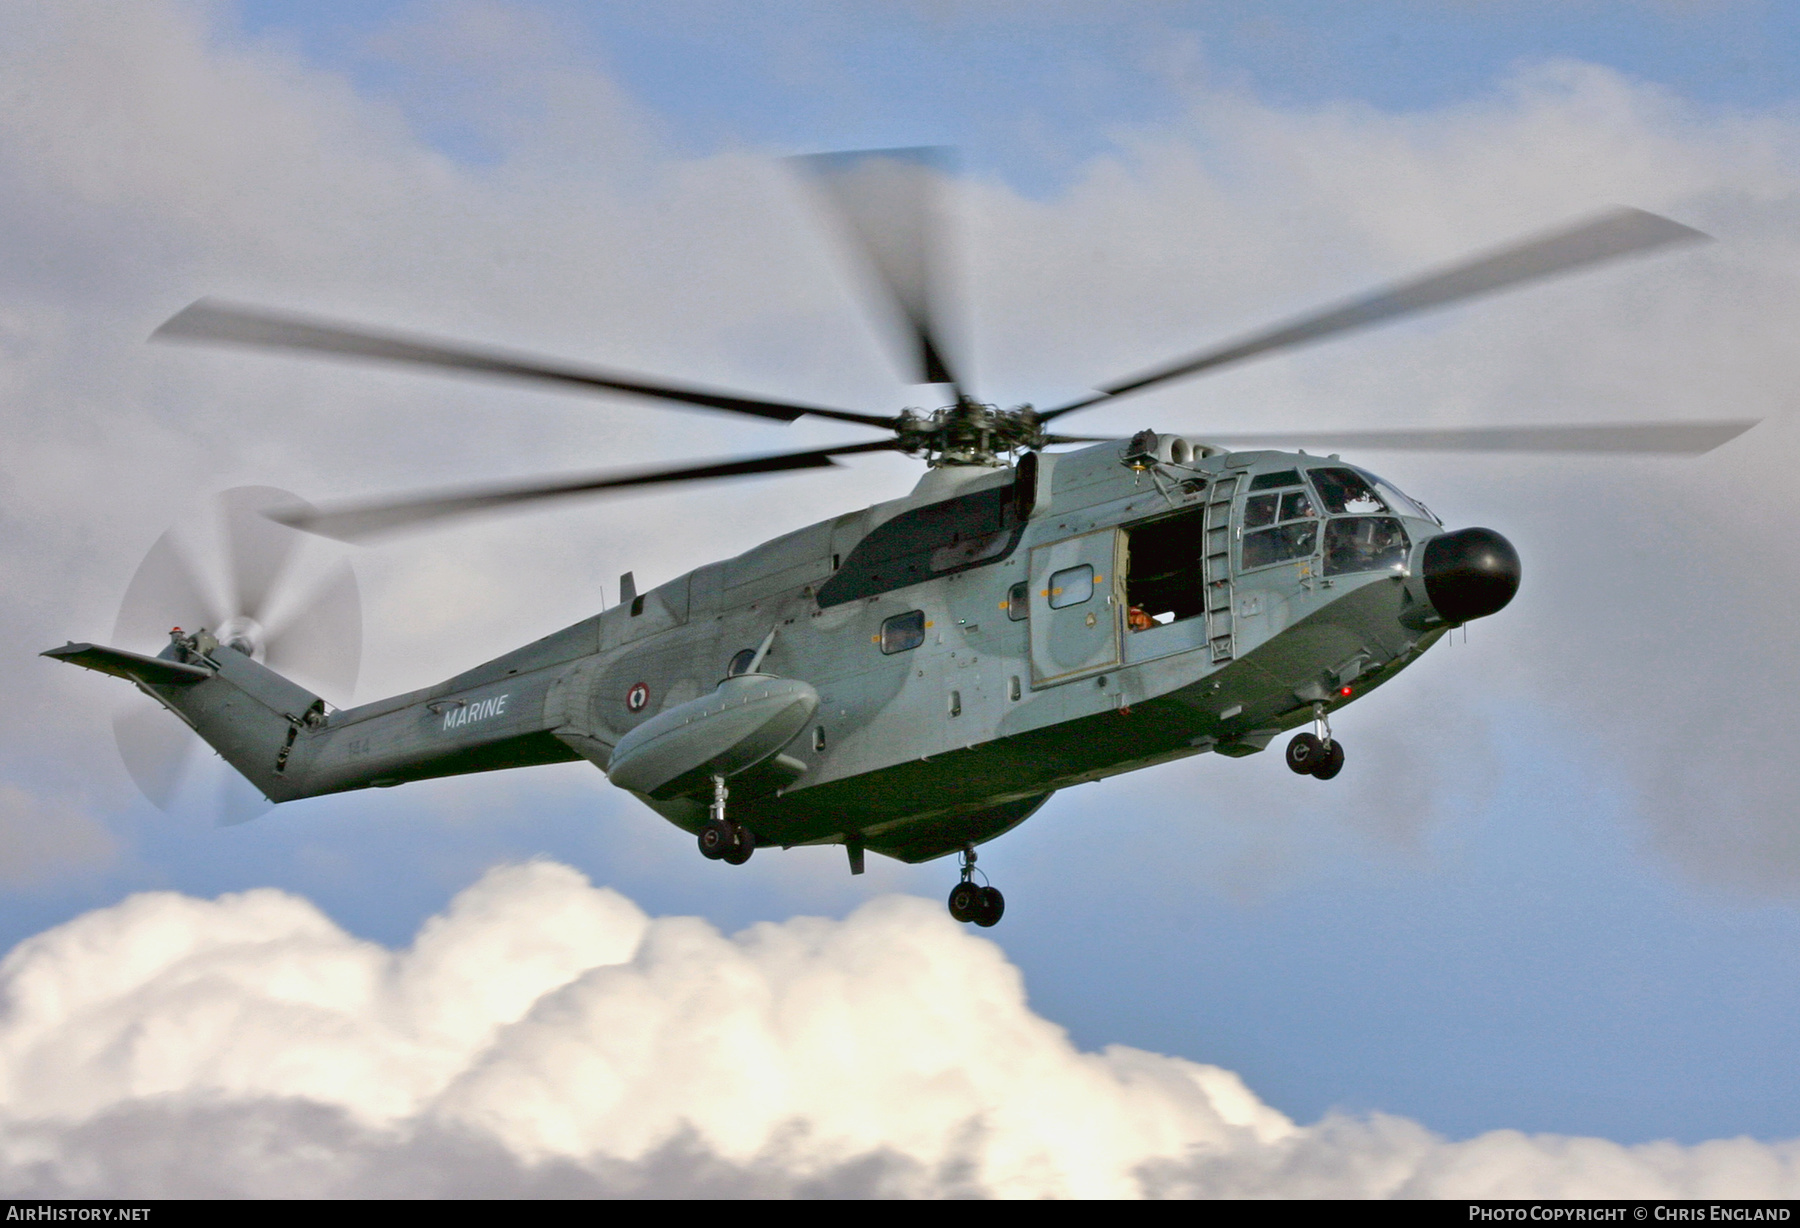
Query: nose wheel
[1316,754]
[975,902]
[723,839]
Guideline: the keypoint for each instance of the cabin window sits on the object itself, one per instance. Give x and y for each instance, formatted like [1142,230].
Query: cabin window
[903,632]
[1164,582]
[1363,543]
[1071,586]
[1269,481]
[740,662]
[1018,602]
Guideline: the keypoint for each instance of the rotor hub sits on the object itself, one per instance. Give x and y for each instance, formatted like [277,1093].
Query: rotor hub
[970,432]
[245,634]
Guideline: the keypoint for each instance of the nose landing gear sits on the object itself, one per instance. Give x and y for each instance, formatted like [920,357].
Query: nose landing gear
[969,901]
[1316,754]
[722,839]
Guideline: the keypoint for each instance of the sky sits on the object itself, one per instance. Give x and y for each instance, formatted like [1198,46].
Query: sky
[1541,936]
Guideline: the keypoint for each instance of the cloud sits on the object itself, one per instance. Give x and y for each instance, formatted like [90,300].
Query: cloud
[544,1037]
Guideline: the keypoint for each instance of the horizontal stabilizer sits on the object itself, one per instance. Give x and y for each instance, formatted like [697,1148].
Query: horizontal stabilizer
[151,671]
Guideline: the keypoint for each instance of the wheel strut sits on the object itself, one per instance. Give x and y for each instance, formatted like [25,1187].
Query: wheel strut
[723,839]
[969,901]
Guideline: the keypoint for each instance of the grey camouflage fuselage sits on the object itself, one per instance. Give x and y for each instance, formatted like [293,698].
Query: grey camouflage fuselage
[955,656]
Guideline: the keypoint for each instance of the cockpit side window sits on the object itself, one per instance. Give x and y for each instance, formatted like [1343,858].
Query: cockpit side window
[1297,504]
[1279,526]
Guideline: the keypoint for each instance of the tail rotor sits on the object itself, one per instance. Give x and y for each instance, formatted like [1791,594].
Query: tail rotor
[255,598]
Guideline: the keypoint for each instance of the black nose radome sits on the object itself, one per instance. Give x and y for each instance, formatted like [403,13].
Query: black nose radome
[1470,573]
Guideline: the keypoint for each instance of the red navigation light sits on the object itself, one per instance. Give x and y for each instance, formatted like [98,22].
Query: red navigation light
[1344,691]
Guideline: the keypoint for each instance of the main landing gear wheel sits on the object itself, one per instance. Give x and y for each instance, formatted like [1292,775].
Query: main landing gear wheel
[965,902]
[721,839]
[728,842]
[1310,755]
[972,902]
[1305,752]
[1316,754]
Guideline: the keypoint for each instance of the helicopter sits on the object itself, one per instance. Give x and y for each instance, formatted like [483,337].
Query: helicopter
[917,677]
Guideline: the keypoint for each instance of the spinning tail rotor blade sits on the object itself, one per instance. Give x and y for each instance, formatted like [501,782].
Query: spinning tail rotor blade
[1618,233]
[885,201]
[317,640]
[320,644]
[257,549]
[1642,438]
[359,521]
[163,594]
[232,324]
[156,748]
[238,801]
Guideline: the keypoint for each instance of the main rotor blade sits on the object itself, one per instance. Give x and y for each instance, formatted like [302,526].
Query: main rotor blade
[357,521]
[1618,233]
[234,324]
[885,200]
[1644,438]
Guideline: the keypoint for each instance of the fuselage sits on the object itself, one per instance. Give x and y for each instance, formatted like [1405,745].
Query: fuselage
[995,636]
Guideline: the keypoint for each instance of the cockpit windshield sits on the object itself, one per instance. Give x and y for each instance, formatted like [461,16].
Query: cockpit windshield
[1363,532]
[1345,491]
[1400,502]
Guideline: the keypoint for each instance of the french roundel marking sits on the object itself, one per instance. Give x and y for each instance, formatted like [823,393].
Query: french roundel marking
[638,697]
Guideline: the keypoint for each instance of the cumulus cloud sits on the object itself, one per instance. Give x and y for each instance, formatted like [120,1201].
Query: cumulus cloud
[544,1037]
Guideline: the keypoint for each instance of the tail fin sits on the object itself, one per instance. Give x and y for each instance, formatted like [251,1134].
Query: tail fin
[247,712]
